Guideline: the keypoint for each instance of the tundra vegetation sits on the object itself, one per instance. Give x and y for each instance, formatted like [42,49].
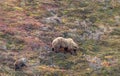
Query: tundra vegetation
[27,28]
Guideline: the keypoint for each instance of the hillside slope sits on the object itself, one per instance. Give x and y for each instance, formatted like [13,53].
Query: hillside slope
[28,27]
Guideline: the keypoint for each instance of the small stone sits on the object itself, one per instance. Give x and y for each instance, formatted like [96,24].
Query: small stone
[3,45]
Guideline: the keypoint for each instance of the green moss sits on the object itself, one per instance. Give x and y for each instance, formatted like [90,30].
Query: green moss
[116,32]
[18,8]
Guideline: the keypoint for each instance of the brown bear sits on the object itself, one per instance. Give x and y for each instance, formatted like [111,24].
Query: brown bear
[66,45]
[20,63]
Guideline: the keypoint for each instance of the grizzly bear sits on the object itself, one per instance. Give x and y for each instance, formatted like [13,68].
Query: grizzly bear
[65,45]
[20,63]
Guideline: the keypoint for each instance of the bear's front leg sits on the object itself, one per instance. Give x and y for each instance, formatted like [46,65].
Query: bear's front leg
[52,49]
[75,52]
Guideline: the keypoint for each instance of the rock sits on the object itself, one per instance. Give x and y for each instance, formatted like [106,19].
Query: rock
[117,20]
[54,19]
[3,45]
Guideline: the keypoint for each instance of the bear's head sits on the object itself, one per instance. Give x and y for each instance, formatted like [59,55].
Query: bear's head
[74,49]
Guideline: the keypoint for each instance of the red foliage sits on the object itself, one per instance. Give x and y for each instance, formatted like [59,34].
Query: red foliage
[33,42]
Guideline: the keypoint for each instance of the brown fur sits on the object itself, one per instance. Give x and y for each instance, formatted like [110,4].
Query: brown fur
[66,45]
[20,63]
